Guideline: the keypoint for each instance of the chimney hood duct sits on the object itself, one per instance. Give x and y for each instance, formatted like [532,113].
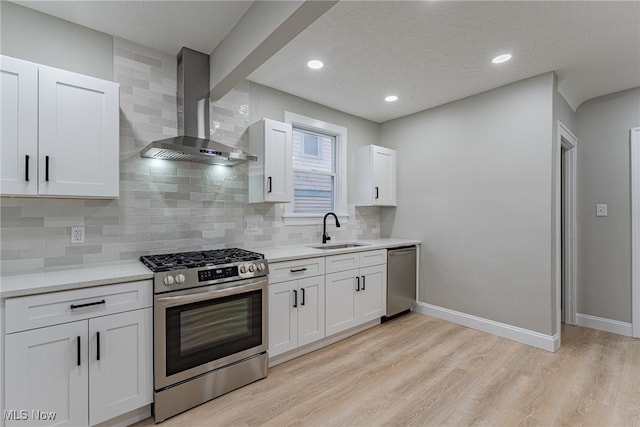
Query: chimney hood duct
[193,143]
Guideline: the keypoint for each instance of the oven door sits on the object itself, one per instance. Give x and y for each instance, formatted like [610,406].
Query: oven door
[202,329]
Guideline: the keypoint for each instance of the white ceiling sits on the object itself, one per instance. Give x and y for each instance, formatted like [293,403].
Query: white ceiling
[163,25]
[426,52]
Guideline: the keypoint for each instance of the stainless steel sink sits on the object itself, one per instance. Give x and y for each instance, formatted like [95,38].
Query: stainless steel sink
[339,245]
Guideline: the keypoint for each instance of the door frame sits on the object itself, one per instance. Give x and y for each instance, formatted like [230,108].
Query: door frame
[567,153]
[635,231]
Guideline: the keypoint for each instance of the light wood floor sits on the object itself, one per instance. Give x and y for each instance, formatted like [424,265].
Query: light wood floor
[421,371]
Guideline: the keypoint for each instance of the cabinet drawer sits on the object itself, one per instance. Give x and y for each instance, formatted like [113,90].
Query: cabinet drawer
[36,311]
[293,270]
[372,257]
[342,262]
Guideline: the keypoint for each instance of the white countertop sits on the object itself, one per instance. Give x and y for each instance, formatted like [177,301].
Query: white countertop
[84,276]
[288,253]
[66,278]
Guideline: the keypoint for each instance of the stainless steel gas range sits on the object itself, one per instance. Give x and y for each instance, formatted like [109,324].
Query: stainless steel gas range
[210,325]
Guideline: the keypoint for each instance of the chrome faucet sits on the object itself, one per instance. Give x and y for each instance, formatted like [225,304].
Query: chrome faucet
[325,236]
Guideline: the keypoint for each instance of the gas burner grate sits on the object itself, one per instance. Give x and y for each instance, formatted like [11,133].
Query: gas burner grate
[195,259]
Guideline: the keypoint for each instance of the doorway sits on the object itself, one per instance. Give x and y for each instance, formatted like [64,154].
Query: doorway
[635,232]
[566,245]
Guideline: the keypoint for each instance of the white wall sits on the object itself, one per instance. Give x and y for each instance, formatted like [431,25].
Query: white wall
[474,179]
[41,38]
[604,243]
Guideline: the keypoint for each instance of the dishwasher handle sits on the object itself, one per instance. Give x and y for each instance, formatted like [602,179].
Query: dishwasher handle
[401,251]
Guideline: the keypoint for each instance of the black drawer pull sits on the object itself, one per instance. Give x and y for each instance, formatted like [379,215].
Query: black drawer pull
[295,299]
[78,350]
[358,284]
[302,289]
[98,345]
[46,168]
[299,270]
[363,283]
[270,183]
[377,192]
[74,306]
[26,168]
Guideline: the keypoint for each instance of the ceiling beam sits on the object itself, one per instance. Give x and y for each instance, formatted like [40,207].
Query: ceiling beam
[264,29]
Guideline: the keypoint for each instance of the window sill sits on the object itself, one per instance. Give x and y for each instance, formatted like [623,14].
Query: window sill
[311,219]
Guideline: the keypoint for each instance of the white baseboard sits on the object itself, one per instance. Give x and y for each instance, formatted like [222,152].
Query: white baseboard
[524,336]
[603,324]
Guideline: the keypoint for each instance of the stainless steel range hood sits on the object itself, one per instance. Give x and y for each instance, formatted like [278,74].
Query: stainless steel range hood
[193,143]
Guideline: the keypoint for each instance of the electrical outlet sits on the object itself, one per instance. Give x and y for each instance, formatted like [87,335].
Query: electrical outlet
[77,234]
[253,223]
[601,209]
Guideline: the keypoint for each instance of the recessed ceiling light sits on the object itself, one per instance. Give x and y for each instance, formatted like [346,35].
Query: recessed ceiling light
[391,98]
[315,64]
[501,58]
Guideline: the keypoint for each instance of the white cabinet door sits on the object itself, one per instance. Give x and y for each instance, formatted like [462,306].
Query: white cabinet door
[271,176]
[375,177]
[384,176]
[18,127]
[79,135]
[370,299]
[283,318]
[47,370]
[340,301]
[120,360]
[278,160]
[310,310]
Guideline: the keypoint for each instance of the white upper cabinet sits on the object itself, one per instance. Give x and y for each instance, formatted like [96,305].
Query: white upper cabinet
[62,133]
[375,176]
[19,127]
[271,177]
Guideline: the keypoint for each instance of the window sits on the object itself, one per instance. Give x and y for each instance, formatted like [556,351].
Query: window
[319,169]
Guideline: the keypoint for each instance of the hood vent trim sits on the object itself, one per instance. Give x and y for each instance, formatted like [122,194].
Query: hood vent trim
[193,120]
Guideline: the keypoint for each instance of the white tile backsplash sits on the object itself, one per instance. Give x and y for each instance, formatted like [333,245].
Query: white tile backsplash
[164,206]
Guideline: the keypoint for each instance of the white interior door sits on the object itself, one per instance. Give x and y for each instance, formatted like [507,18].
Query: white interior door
[635,231]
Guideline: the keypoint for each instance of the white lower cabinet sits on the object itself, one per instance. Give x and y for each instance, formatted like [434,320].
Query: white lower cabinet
[82,372]
[119,376]
[45,372]
[354,297]
[296,314]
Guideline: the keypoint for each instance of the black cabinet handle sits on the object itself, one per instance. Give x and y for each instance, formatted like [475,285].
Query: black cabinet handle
[299,270]
[98,345]
[26,168]
[295,299]
[74,306]
[302,303]
[358,284]
[78,350]
[269,191]
[46,168]
[363,283]
[377,191]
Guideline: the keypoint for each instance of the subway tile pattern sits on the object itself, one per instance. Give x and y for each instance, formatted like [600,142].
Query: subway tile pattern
[164,206]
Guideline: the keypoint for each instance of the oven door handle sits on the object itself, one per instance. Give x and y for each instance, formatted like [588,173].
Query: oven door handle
[197,295]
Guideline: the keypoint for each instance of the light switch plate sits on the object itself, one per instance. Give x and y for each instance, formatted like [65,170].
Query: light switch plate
[77,234]
[601,209]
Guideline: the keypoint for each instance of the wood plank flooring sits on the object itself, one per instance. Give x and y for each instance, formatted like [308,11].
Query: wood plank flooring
[421,371]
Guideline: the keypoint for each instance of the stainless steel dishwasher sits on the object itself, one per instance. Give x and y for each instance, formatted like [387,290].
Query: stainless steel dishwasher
[401,280]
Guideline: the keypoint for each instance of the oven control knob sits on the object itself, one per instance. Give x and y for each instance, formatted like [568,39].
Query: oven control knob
[252,268]
[261,267]
[180,279]
[243,269]
[168,280]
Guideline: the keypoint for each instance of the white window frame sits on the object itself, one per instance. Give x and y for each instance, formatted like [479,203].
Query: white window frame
[340,196]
